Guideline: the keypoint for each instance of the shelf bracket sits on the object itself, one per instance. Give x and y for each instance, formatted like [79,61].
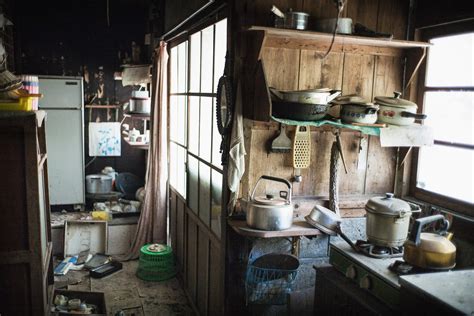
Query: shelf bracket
[295,245]
[421,56]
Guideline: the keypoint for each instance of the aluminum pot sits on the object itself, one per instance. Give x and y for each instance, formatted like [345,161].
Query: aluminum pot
[98,183]
[290,19]
[397,111]
[270,212]
[140,105]
[365,113]
[344,25]
[388,219]
[299,111]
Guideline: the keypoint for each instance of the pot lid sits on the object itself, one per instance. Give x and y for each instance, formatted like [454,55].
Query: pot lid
[436,243]
[99,176]
[395,101]
[349,99]
[388,205]
[270,199]
[363,105]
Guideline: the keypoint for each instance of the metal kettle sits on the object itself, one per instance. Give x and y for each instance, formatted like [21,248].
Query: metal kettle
[430,250]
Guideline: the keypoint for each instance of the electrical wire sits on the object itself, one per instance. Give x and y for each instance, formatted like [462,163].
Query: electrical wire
[340,7]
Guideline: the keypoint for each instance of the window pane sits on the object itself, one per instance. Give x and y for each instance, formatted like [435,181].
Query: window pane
[447,171]
[221,48]
[451,61]
[181,171]
[216,202]
[205,129]
[193,135]
[174,118]
[451,114]
[193,176]
[174,70]
[173,165]
[216,139]
[181,118]
[182,67]
[207,59]
[195,71]
[204,192]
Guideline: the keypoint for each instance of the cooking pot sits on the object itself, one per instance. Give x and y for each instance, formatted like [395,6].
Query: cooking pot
[397,111]
[388,219]
[430,250]
[344,25]
[270,212]
[328,222]
[290,19]
[365,113]
[299,111]
[98,183]
[140,105]
[309,96]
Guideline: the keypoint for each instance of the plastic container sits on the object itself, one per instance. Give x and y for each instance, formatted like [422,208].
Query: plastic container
[156,265]
[31,83]
[23,104]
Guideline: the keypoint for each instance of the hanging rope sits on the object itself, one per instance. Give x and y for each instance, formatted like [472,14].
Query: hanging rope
[340,7]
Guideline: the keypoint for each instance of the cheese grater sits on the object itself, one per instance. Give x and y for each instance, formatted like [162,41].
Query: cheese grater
[301,150]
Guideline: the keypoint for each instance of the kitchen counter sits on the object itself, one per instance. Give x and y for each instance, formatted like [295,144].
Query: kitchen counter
[299,228]
[450,292]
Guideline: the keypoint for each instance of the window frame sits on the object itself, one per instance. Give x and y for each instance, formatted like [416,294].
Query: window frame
[432,198]
[213,166]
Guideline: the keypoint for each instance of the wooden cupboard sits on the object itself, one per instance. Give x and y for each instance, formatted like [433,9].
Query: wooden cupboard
[26,267]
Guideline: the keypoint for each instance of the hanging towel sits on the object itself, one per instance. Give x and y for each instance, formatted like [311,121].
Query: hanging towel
[237,152]
[104,139]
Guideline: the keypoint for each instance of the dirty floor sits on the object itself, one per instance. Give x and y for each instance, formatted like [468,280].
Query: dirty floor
[124,291]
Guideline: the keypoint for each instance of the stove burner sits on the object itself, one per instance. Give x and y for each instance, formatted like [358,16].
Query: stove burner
[380,252]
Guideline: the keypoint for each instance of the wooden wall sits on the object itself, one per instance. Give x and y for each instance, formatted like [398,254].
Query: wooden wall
[198,257]
[371,169]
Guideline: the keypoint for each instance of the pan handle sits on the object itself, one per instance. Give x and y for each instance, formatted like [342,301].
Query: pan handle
[414,115]
[346,239]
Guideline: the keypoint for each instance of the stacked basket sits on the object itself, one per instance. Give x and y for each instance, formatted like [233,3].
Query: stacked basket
[156,263]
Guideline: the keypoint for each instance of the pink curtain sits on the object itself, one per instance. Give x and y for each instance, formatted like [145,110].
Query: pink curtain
[152,223]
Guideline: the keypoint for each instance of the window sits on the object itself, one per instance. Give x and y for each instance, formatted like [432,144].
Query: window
[445,171]
[195,161]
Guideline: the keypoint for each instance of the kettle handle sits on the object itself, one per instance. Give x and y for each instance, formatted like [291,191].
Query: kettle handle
[422,222]
[270,178]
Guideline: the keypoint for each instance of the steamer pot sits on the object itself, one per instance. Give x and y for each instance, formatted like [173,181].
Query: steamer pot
[388,219]
[270,212]
[98,183]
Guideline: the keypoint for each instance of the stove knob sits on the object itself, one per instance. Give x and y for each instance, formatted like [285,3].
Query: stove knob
[365,283]
[351,272]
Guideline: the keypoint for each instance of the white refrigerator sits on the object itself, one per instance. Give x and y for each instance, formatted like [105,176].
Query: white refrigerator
[63,101]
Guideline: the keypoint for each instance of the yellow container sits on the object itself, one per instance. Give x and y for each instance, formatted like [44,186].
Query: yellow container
[23,104]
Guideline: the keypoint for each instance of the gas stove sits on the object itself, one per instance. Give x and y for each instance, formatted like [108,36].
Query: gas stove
[379,252]
[370,273]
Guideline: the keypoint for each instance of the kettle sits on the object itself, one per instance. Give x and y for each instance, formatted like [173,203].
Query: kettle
[430,250]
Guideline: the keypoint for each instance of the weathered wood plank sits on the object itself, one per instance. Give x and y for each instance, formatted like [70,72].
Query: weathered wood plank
[316,72]
[203,272]
[358,75]
[392,17]
[191,259]
[364,12]
[380,168]
[173,222]
[215,281]
[281,67]
[180,234]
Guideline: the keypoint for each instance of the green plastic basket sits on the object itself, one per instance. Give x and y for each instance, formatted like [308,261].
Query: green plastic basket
[156,266]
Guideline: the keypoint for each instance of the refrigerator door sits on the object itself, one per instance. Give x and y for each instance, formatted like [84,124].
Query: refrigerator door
[64,144]
[60,92]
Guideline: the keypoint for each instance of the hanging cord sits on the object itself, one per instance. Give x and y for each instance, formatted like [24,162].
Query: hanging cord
[340,7]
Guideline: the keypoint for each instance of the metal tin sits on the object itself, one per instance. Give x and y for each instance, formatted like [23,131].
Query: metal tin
[98,183]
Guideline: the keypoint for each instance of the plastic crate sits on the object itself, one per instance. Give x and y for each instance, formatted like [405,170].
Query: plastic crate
[269,279]
[23,104]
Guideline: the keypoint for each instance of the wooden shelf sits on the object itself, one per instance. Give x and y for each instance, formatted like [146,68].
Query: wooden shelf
[135,145]
[107,106]
[137,116]
[299,228]
[302,37]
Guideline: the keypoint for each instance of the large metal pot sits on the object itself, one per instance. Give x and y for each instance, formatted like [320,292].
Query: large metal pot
[388,220]
[290,19]
[98,183]
[309,96]
[270,212]
[397,111]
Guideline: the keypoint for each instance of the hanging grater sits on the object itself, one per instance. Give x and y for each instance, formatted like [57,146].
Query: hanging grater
[301,150]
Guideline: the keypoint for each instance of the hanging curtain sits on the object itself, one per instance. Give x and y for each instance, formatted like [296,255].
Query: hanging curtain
[152,223]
